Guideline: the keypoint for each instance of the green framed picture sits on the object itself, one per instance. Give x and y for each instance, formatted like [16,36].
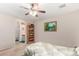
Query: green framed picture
[50,26]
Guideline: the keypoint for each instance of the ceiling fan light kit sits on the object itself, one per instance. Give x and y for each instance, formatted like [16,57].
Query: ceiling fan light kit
[34,10]
[33,13]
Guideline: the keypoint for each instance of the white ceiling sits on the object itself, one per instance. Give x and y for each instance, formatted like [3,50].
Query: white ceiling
[52,10]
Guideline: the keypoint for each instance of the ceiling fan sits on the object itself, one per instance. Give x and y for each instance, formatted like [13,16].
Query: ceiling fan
[34,10]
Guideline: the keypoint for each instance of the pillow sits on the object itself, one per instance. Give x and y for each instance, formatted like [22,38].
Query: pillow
[77,51]
[36,49]
[67,51]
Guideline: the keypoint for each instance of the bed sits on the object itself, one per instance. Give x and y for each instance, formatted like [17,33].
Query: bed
[47,49]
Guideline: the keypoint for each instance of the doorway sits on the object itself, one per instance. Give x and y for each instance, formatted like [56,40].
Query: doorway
[20,32]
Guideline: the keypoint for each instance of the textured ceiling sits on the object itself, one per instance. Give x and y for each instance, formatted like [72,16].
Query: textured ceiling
[52,10]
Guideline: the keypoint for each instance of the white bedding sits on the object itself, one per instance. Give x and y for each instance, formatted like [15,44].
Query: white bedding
[46,49]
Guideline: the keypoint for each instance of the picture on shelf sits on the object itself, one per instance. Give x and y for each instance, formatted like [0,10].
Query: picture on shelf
[50,26]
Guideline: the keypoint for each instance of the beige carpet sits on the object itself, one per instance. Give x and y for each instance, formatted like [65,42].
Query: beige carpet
[18,50]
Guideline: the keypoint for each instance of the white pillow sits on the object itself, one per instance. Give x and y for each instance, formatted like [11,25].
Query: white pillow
[77,51]
[67,51]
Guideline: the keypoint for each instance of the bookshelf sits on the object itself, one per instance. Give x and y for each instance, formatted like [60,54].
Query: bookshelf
[30,33]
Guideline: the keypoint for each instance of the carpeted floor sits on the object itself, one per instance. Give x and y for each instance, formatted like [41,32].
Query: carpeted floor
[18,50]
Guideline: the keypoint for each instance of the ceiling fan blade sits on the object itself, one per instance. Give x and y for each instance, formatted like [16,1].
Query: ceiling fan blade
[24,7]
[27,13]
[36,15]
[41,11]
[34,4]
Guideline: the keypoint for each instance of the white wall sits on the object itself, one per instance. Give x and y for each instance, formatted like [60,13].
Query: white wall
[67,30]
[8,24]
[7,31]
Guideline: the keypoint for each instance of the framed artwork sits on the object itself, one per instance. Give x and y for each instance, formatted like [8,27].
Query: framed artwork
[50,26]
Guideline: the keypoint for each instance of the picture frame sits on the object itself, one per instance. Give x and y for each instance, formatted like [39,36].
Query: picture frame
[50,26]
